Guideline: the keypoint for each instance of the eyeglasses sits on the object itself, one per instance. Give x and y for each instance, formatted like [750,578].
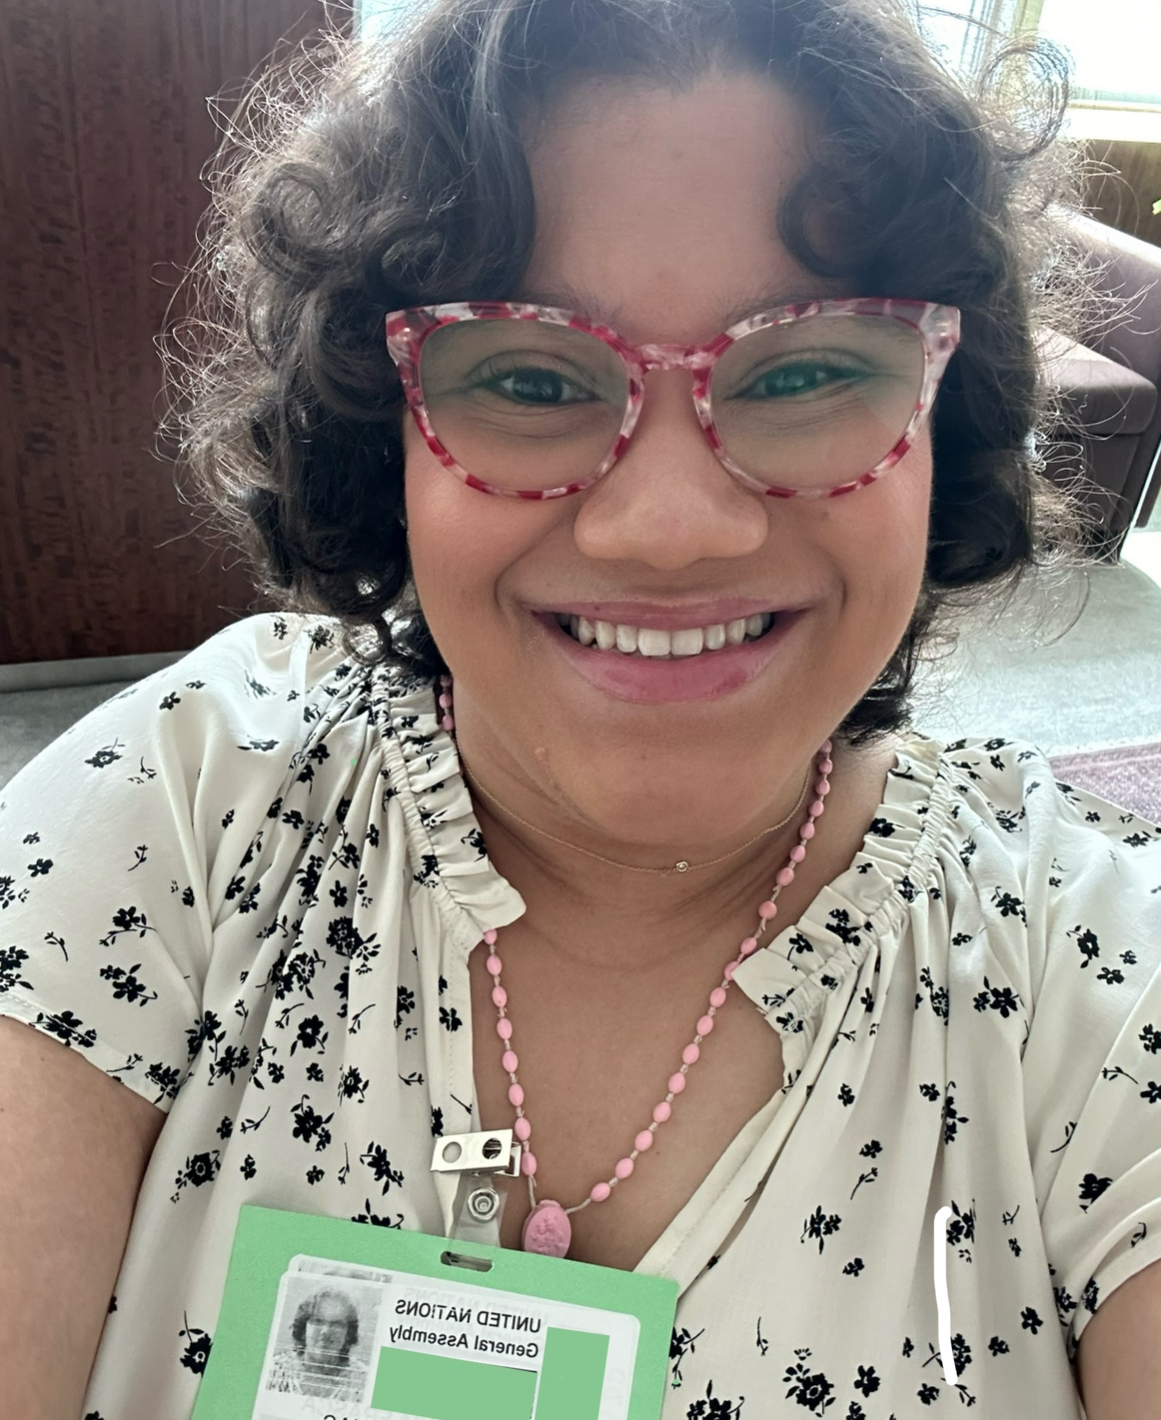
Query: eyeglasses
[805,401]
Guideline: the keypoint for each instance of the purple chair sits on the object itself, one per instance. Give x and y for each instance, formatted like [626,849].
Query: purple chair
[1110,385]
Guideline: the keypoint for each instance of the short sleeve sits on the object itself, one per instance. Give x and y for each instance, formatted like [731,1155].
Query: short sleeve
[120,841]
[1092,1060]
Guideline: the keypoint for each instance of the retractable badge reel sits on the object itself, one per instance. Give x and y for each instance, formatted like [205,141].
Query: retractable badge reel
[478,1159]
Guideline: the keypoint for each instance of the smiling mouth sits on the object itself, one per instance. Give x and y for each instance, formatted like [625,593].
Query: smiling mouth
[618,639]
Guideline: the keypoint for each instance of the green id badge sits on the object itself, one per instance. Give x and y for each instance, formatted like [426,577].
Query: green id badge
[335,1320]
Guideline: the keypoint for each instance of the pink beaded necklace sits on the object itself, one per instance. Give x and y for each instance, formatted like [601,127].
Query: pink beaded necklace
[547,1228]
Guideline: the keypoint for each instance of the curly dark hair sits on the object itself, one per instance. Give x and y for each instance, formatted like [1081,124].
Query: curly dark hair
[306,1311]
[364,176]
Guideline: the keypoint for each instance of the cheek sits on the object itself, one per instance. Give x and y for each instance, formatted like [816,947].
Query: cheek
[462,543]
[886,553]
[448,534]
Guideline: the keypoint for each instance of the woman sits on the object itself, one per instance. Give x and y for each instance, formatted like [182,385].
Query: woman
[318,1362]
[322,878]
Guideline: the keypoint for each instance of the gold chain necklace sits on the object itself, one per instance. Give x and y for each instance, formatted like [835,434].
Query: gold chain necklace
[681,866]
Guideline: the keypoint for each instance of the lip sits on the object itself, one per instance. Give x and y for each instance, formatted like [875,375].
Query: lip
[662,616]
[644,681]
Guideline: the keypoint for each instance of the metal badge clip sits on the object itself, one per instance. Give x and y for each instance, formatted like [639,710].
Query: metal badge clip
[477,1158]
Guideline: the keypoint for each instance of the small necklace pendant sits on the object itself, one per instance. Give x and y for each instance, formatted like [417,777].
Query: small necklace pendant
[547,1230]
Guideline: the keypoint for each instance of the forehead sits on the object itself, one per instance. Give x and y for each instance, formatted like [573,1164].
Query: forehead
[328,1309]
[657,208]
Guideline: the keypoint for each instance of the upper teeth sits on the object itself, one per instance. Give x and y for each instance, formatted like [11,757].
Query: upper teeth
[648,642]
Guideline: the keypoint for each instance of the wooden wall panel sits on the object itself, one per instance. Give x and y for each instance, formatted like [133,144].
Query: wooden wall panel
[1123,196]
[104,127]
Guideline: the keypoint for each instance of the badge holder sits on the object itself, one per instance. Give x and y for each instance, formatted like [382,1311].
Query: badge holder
[482,1333]
[478,1159]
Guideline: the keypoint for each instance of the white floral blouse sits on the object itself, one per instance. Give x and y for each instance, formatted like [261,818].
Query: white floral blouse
[248,885]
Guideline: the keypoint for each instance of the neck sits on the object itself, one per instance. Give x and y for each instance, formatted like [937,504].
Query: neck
[543,844]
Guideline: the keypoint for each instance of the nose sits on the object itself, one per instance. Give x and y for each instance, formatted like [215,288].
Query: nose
[668,501]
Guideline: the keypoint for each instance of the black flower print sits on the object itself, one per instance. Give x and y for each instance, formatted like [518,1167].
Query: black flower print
[126,984]
[428,870]
[404,1004]
[996,998]
[12,960]
[197,1350]
[298,974]
[1031,1320]
[352,1085]
[714,1407]
[682,1344]
[311,1035]
[811,1389]
[343,987]
[375,1157]
[800,945]
[1090,1189]
[104,757]
[310,1126]
[229,1063]
[1009,905]
[820,1226]
[166,1079]
[367,1216]
[449,1018]
[199,1170]
[344,938]
[125,920]
[867,1381]
[205,1028]
[65,1026]
[1086,943]
[937,996]
[308,880]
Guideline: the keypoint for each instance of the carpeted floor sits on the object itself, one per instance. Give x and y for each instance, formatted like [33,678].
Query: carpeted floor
[1127,775]
[1071,662]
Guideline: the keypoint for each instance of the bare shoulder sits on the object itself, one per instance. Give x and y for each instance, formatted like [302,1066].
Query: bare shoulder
[76,1147]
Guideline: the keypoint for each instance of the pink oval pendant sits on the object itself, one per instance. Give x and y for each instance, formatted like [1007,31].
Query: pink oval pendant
[547,1230]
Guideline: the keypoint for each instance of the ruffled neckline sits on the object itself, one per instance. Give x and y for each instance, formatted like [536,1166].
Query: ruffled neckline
[792,979]
[795,972]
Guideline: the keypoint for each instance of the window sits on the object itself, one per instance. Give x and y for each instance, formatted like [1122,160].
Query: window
[1115,48]
[375,18]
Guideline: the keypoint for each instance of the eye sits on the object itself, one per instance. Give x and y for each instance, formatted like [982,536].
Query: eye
[535,385]
[801,377]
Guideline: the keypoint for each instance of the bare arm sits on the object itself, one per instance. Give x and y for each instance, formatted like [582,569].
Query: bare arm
[73,1148]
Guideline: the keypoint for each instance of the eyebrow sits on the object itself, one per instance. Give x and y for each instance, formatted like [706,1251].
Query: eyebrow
[586,303]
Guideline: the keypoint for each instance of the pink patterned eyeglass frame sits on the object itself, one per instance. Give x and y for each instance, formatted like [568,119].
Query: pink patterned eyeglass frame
[937,326]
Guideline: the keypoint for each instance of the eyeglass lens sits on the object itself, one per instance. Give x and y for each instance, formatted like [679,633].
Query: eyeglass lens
[526,404]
